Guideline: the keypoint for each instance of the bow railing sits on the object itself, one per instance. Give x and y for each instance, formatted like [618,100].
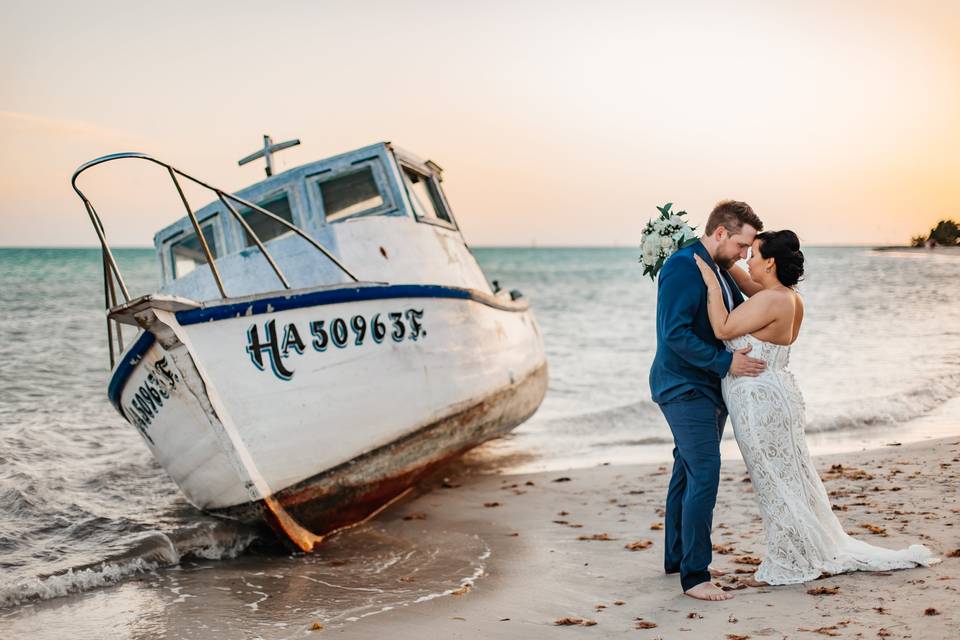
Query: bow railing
[113,279]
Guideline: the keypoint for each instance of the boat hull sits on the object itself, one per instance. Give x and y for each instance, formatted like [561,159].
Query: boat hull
[354,491]
[328,402]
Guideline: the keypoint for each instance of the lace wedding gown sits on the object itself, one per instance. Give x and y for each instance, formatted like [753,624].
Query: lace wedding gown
[803,536]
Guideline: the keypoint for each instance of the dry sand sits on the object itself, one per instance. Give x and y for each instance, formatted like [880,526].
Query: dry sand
[560,550]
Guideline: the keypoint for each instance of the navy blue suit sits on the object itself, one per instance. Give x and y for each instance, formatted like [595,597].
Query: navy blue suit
[685,382]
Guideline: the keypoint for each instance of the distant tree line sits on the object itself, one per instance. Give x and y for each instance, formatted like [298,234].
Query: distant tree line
[945,234]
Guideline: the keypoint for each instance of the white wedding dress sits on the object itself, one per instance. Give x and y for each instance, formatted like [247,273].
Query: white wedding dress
[804,539]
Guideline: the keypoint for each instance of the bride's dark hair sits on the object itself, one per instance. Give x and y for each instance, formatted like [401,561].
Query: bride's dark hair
[784,248]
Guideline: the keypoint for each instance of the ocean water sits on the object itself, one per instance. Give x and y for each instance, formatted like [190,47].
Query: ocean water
[880,346]
[84,504]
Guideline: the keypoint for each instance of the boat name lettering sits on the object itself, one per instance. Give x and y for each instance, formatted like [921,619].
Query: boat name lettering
[149,397]
[272,346]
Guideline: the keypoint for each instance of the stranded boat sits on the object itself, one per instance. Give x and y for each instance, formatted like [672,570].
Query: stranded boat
[320,341]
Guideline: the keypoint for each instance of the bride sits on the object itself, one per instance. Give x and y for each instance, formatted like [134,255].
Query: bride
[804,539]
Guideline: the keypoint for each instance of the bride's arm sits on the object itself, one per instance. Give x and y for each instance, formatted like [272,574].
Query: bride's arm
[744,281]
[753,315]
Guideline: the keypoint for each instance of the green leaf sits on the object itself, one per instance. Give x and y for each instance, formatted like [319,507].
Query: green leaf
[665,210]
[689,241]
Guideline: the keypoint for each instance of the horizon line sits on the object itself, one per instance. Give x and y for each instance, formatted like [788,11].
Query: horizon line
[478,246]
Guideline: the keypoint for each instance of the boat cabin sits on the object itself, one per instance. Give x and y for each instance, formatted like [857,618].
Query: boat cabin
[379,210]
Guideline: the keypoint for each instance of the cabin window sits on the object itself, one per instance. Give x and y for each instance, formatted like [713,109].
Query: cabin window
[349,194]
[265,227]
[424,196]
[187,253]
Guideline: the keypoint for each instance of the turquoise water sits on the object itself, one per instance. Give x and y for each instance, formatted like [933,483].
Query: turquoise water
[880,347]
[880,344]
[77,486]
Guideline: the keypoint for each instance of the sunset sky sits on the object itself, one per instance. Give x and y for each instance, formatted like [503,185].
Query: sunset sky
[557,123]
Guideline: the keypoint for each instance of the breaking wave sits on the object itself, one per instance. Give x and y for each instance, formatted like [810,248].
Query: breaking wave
[147,552]
[891,409]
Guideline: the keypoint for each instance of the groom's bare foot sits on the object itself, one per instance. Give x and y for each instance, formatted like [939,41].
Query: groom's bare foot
[708,591]
[751,582]
[717,573]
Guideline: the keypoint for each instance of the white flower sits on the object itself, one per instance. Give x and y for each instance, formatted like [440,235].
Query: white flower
[651,247]
[661,238]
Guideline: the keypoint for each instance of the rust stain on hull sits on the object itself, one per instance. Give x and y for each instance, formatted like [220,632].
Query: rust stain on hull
[358,490]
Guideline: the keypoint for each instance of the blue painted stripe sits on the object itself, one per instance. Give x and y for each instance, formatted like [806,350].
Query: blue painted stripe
[295,301]
[340,295]
[127,362]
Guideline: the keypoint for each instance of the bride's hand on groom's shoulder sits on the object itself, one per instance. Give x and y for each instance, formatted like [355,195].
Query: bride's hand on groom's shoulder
[744,365]
[705,271]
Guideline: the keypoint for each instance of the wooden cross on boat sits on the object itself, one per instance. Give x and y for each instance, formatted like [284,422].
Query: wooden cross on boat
[267,152]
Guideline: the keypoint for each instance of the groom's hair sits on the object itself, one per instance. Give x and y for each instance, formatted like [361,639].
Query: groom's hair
[732,214]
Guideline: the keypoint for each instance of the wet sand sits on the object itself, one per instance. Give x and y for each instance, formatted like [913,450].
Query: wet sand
[482,554]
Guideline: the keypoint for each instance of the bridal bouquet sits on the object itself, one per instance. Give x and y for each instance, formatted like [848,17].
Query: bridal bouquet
[662,237]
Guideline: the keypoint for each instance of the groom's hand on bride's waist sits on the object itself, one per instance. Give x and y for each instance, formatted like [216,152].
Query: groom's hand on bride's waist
[744,365]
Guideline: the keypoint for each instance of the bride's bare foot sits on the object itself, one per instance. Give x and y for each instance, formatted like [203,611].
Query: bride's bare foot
[717,573]
[708,591]
[752,582]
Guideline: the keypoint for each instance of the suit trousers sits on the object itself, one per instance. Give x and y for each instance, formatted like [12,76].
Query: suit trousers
[697,425]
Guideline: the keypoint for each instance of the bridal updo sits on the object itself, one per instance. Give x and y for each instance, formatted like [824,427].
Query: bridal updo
[784,248]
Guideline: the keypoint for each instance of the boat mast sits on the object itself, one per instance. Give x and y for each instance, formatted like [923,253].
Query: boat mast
[269,148]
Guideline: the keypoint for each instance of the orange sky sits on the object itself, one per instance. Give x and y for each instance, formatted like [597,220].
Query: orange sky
[556,122]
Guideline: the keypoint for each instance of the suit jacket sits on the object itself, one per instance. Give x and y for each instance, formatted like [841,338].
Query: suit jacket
[689,357]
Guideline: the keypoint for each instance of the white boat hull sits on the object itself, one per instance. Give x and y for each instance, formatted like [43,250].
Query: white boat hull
[332,401]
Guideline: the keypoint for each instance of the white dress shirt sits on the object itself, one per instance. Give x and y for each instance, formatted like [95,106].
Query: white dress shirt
[727,294]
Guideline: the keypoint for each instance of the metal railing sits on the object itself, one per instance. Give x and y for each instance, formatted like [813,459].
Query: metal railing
[112,279]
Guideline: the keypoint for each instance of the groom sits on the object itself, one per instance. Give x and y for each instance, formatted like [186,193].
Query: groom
[685,382]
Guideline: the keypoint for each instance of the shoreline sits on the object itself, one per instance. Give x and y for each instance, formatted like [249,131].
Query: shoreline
[939,249]
[941,422]
[552,545]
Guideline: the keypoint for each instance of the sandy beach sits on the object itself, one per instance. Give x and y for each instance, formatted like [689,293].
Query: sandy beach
[585,545]
[560,550]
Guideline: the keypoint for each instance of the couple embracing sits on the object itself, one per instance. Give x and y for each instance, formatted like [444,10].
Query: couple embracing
[723,344]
